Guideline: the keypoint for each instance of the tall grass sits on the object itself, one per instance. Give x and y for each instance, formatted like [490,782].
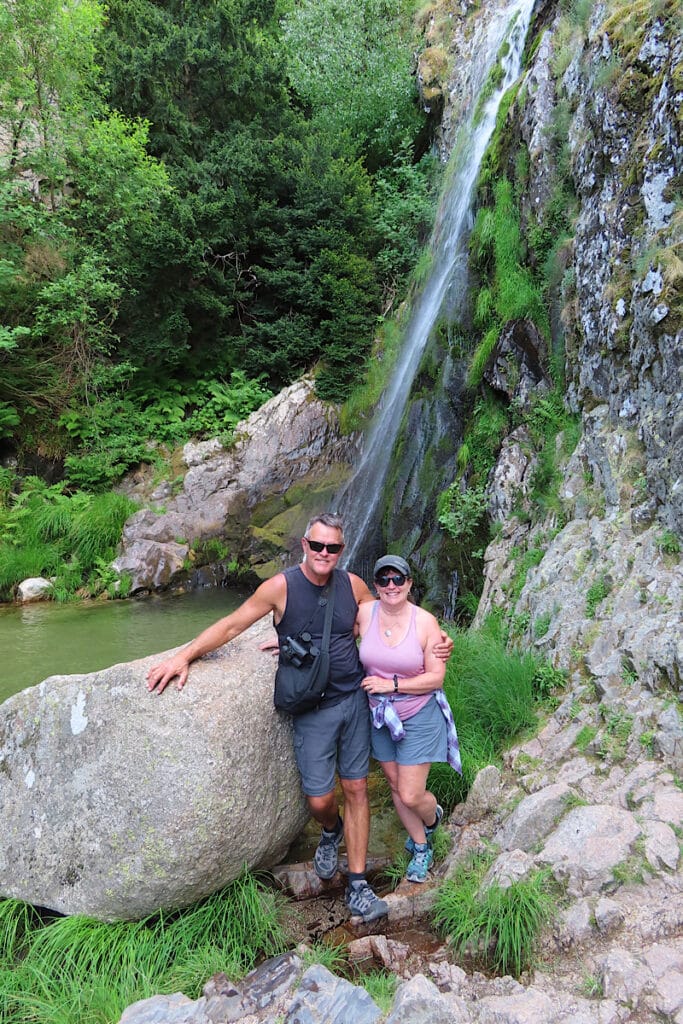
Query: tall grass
[491,694]
[75,970]
[497,928]
[365,396]
[512,293]
[45,532]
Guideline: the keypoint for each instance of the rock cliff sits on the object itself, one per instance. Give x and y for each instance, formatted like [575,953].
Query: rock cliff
[242,509]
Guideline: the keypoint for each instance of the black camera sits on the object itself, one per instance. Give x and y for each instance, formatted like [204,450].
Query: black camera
[299,650]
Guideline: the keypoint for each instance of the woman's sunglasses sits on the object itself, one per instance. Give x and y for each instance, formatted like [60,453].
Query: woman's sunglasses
[398,580]
[315,545]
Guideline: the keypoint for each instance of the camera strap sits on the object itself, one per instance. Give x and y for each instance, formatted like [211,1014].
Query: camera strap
[325,600]
[327,626]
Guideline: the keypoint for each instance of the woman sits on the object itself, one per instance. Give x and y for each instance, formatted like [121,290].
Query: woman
[404,683]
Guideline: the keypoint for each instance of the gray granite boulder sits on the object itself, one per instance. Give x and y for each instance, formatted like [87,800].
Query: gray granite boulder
[116,802]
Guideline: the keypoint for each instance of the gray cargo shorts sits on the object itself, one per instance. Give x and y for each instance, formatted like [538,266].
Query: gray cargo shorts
[331,740]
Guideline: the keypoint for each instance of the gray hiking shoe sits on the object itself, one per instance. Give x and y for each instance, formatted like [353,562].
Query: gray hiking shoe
[326,856]
[422,860]
[362,902]
[429,832]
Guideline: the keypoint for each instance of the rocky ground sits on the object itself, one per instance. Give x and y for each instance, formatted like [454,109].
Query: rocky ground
[605,822]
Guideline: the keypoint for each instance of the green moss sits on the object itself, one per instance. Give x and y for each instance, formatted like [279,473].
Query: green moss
[596,593]
[635,90]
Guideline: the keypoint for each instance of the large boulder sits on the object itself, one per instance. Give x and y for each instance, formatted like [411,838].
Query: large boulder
[117,802]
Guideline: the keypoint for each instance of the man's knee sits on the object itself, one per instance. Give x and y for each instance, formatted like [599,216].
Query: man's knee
[322,807]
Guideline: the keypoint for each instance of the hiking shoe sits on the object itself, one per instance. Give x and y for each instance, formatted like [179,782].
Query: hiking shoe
[326,855]
[362,902]
[429,832]
[420,863]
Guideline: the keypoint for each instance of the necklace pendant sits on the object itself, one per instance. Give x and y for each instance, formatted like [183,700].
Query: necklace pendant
[387,632]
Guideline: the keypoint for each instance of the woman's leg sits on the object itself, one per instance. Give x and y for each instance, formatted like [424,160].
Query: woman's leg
[414,805]
[413,793]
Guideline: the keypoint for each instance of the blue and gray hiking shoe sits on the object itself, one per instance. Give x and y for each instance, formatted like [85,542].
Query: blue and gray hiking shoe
[429,831]
[326,856]
[362,902]
[421,861]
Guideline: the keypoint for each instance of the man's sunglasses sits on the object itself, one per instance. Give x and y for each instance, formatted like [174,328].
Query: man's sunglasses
[398,580]
[315,545]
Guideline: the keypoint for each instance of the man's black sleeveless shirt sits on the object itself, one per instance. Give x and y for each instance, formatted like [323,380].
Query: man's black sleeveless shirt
[303,612]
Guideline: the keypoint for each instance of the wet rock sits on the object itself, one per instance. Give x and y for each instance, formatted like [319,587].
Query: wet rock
[518,365]
[322,997]
[288,460]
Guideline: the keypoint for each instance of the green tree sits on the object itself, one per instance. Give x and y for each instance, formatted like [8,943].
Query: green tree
[351,64]
[47,81]
[269,203]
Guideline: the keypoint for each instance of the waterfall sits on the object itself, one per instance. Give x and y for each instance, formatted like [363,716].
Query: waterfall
[446,284]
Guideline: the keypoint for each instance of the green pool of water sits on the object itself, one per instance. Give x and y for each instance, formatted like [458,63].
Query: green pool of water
[45,639]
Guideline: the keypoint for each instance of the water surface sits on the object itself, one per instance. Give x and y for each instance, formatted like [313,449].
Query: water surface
[45,639]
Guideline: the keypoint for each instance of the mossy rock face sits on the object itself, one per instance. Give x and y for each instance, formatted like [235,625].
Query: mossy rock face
[268,509]
[276,543]
[635,91]
[433,67]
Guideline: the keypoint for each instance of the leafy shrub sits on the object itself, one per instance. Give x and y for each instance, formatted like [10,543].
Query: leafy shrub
[9,418]
[542,624]
[460,511]
[547,680]
[596,593]
[668,543]
[114,434]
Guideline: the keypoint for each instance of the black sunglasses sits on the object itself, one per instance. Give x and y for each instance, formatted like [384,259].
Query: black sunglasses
[398,580]
[316,545]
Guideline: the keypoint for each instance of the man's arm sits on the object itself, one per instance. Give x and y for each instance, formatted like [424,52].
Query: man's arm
[269,597]
[360,589]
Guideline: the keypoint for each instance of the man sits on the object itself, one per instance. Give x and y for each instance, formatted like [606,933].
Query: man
[335,737]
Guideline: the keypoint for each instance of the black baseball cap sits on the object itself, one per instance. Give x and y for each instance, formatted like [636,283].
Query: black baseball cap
[391,562]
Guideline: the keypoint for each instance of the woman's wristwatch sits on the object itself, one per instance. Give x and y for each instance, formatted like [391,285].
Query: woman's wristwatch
[395,684]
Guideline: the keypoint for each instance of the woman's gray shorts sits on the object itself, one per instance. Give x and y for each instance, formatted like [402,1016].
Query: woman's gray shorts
[330,740]
[425,741]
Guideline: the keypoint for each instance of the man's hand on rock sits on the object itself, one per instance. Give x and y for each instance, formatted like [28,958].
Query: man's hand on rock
[159,676]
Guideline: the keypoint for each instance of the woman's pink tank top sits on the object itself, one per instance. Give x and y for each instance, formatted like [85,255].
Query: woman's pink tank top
[405,660]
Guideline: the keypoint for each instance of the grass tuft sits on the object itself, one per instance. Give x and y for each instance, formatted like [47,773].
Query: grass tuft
[497,928]
[75,970]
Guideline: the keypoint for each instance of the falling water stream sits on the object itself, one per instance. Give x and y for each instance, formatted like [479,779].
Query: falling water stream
[359,498]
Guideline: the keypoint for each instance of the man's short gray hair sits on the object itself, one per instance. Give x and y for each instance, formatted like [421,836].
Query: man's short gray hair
[330,519]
